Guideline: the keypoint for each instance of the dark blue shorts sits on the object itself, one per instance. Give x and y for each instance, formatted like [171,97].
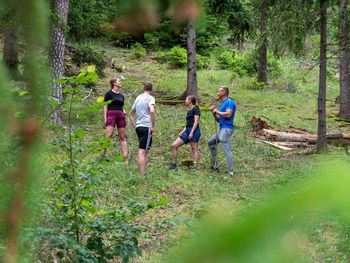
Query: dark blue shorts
[195,138]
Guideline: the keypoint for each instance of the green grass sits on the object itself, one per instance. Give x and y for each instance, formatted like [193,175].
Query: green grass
[260,168]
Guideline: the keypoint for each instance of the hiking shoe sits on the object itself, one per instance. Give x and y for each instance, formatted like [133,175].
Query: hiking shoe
[214,168]
[195,166]
[172,166]
[231,173]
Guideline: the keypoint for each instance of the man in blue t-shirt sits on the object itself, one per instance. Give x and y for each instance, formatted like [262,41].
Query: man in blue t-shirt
[225,116]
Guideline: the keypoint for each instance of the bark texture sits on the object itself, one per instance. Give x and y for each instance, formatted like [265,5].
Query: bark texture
[344,78]
[192,88]
[262,75]
[10,56]
[57,53]
[322,89]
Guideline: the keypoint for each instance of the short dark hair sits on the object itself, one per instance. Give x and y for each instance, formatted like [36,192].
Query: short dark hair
[193,99]
[225,89]
[148,86]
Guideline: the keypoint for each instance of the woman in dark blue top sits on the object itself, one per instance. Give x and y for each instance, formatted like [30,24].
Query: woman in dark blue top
[190,134]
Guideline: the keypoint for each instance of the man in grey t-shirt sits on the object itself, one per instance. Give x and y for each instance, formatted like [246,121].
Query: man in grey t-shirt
[144,107]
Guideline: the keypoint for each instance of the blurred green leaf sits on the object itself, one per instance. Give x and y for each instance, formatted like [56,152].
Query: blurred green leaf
[260,235]
[23,93]
[80,133]
[91,69]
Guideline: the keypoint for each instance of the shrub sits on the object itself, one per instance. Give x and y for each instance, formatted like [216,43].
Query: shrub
[244,64]
[273,66]
[238,72]
[291,86]
[225,59]
[247,64]
[203,62]
[138,51]
[252,84]
[85,54]
[177,58]
[151,40]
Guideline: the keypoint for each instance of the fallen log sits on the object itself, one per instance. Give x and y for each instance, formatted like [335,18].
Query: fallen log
[298,130]
[299,137]
[294,144]
[293,137]
[277,145]
[289,137]
[286,146]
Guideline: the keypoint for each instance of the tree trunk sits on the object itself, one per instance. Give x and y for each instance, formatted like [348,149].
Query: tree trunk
[344,78]
[192,88]
[57,53]
[262,76]
[322,127]
[10,56]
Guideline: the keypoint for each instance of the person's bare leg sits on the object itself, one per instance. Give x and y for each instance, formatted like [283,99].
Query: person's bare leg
[142,161]
[195,151]
[109,134]
[123,143]
[175,146]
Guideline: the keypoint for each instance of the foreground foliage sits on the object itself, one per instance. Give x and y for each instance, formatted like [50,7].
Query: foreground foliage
[76,228]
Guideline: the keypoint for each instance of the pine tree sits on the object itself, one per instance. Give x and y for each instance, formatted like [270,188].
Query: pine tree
[262,75]
[344,77]
[322,89]
[57,53]
[10,36]
[192,88]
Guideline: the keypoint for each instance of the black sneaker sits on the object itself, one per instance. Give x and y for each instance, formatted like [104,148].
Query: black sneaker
[172,166]
[214,168]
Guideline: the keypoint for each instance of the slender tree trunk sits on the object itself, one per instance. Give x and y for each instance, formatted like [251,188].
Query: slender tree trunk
[322,127]
[344,78]
[192,88]
[10,56]
[57,53]
[262,76]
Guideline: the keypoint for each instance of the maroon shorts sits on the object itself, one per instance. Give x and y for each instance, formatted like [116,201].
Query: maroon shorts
[116,118]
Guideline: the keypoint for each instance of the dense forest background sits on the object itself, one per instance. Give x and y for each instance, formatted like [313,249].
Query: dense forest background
[287,66]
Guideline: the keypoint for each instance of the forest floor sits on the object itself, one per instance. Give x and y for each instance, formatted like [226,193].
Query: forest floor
[260,169]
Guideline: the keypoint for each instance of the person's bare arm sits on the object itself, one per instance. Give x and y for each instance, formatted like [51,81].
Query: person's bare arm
[152,111]
[105,113]
[132,117]
[216,116]
[225,114]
